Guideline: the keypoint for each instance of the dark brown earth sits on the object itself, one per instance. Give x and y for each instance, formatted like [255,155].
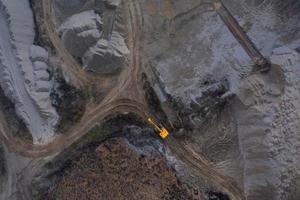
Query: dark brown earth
[116,170]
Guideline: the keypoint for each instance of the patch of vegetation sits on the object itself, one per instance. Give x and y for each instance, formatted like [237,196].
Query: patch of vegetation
[16,125]
[95,134]
[3,168]
[111,127]
[69,102]
[2,162]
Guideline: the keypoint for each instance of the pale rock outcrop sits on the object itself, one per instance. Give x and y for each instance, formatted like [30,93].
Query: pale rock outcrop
[107,56]
[23,66]
[114,3]
[80,31]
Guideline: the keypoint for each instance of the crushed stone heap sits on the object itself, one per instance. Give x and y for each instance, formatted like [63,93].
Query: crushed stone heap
[106,56]
[24,76]
[82,34]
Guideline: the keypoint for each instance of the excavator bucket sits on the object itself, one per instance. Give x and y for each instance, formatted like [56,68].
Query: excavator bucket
[163,133]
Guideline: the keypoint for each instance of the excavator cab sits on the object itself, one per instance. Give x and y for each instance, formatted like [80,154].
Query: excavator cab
[163,132]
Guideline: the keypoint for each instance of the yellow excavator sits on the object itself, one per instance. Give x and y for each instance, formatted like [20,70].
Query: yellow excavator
[163,132]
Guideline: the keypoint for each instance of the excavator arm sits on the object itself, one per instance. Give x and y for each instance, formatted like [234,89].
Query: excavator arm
[260,61]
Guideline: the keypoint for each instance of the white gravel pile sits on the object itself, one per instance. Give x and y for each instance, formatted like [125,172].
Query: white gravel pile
[107,56]
[81,34]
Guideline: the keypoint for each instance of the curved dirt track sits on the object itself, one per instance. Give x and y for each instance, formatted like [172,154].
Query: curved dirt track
[127,96]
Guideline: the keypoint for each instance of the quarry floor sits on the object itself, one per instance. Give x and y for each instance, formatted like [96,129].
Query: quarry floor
[129,172]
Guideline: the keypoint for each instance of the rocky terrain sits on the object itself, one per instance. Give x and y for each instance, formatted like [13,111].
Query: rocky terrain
[80,78]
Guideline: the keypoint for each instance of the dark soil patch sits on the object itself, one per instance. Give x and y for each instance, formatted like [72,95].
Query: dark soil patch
[2,162]
[216,196]
[70,104]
